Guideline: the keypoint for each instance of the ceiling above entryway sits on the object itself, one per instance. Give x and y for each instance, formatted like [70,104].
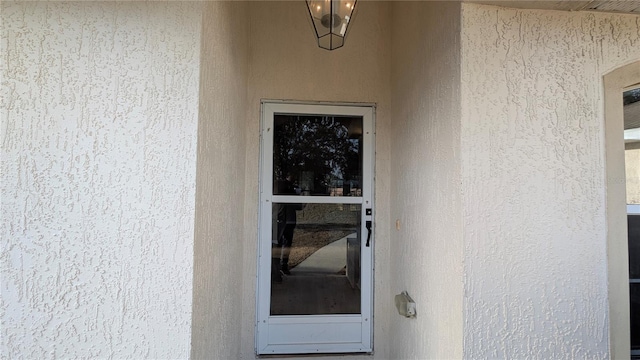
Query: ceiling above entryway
[631,6]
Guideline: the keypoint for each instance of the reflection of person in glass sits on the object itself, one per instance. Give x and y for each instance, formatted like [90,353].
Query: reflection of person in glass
[286,224]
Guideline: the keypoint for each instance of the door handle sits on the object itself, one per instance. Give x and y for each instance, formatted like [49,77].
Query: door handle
[368,232]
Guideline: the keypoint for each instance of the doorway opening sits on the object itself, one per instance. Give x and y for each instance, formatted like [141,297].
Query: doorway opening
[631,110]
[620,274]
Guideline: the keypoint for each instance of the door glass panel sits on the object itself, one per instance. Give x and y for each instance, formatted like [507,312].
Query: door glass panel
[315,263]
[633,234]
[634,293]
[321,154]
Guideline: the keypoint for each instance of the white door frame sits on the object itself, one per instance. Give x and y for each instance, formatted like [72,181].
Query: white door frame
[296,334]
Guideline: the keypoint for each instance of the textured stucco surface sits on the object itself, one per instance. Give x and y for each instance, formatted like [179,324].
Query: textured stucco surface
[491,158]
[219,231]
[99,120]
[426,251]
[286,63]
[533,179]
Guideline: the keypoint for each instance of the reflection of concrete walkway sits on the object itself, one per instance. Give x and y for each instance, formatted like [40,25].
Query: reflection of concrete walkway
[310,294]
[327,260]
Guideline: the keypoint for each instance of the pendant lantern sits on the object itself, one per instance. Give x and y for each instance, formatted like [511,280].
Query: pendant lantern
[331,20]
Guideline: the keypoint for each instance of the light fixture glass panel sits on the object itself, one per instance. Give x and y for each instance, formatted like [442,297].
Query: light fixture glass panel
[331,19]
[331,42]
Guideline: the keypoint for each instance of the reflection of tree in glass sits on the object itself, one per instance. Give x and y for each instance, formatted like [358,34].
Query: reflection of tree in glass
[318,145]
[631,96]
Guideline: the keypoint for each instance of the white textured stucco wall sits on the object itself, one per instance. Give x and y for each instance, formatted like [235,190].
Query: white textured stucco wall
[99,120]
[426,251]
[534,179]
[286,63]
[220,239]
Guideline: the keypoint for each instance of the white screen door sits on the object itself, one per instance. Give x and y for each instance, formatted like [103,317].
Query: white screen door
[316,229]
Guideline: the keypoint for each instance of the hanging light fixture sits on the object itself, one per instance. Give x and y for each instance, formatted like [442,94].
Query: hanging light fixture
[330,20]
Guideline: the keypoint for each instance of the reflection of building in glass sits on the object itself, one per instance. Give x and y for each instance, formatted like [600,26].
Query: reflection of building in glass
[345,188]
[632,144]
